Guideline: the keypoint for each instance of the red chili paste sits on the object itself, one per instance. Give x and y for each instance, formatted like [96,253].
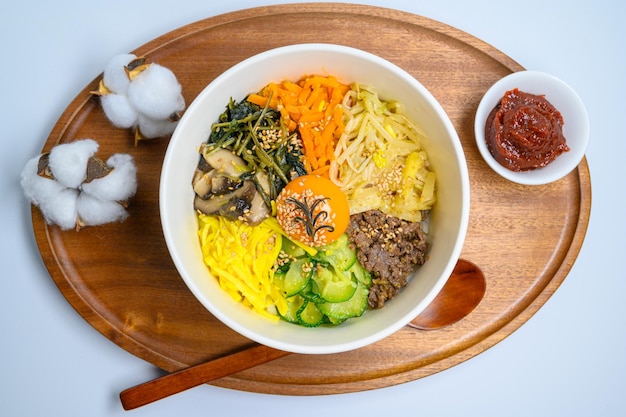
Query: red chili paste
[525,131]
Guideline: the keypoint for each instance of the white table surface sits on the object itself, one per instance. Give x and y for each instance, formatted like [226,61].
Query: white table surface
[568,360]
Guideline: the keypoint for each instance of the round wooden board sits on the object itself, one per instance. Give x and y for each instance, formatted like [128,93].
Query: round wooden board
[120,278]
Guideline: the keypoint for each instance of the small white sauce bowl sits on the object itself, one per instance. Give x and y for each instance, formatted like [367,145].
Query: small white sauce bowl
[566,101]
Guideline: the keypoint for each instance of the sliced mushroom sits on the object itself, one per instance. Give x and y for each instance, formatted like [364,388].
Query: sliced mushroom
[222,184]
[224,161]
[202,183]
[220,190]
[238,207]
[203,165]
[219,204]
[258,210]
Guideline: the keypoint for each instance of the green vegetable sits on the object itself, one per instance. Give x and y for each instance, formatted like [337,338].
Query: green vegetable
[328,287]
[255,134]
[354,307]
[339,254]
[334,285]
[309,314]
[296,278]
[294,304]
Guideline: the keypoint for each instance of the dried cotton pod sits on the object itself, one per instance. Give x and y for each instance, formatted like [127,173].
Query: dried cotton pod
[68,161]
[118,184]
[99,196]
[156,93]
[92,211]
[119,111]
[38,185]
[145,97]
[115,76]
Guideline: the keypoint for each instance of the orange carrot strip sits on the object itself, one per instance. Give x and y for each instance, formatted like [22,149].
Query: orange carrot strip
[313,105]
[338,119]
[293,108]
[328,134]
[322,171]
[311,117]
[304,95]
[313,98]
[257,99]
[292,87]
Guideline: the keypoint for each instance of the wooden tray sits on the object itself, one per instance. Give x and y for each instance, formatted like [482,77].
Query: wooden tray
[120,278]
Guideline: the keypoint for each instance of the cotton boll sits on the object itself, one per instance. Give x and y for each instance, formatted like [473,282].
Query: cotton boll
[114,77]
[156,93]
[37,188]
[118,110]
[94,212]
[62,192]
[56,203]
[60,209]
[151,128]
[68,161]
[119,184]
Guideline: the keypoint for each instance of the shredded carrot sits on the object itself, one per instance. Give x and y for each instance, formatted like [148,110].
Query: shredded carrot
[313,106]
[257,99]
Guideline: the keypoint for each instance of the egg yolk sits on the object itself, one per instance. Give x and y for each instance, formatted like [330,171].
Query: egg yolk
[312,210]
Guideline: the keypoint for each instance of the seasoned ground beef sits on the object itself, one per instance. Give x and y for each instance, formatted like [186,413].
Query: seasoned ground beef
[389,248]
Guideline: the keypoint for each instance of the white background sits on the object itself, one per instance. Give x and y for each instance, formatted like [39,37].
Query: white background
[567,360]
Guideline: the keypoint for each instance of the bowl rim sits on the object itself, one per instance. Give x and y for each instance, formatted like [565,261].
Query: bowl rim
[460,161]
[554,89]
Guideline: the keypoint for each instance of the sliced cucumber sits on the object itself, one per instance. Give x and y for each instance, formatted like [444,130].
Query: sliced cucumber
[328,287]
[361,274]
[292,249]
[335,286]
[311,292]
[294,304]
[339,254]
[295,279]
[354,307]
[309,314]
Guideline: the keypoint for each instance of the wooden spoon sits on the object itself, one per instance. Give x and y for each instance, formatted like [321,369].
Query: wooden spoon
[461,294]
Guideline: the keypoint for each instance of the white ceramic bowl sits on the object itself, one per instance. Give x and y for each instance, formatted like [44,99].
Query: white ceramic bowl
[566,101]
[449,216]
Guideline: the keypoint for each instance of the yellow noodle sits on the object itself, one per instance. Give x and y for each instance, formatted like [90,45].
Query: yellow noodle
[241,257]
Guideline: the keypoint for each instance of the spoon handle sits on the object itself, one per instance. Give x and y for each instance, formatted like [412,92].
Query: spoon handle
[184,379]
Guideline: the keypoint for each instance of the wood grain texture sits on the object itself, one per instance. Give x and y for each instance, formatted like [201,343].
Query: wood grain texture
[120,278]
[462,293]
[185,379]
